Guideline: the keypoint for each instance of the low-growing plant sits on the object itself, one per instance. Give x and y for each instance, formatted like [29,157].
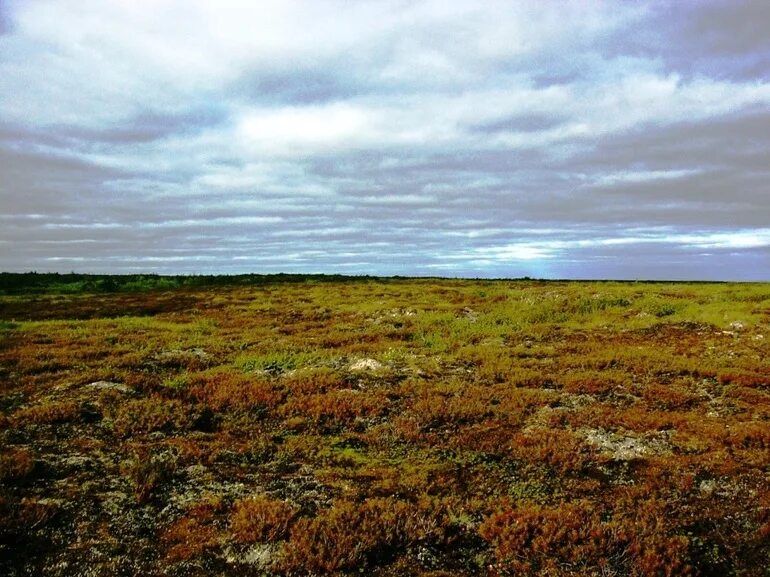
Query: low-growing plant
[261,518]
[669,397]
[277,363]
[356,536]
[194,533]
[580,538]
[593,382]
[16,464]
[138,416]
[336,409]
[149,472]
[47,413]
[226,391]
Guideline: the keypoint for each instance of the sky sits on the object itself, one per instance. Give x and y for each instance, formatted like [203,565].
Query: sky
[570,139]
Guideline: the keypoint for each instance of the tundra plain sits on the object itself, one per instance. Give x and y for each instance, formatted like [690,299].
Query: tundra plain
[281,425]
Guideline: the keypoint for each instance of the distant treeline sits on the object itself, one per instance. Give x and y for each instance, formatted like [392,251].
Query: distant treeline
[74,283]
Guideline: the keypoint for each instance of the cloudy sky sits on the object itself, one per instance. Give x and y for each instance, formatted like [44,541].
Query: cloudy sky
[578,139]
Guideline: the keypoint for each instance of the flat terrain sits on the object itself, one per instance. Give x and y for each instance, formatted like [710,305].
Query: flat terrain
[290,426]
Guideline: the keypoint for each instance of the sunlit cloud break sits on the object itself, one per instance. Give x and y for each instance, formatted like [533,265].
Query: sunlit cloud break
[499,139]
[536,250]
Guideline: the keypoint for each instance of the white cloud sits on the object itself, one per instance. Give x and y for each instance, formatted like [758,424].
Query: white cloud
[298,130]
[550,249]
[475,134]
[641,176]
[757,238]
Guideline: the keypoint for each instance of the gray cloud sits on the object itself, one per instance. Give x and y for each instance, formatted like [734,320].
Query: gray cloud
[502,139]
[720,38]
[528,123]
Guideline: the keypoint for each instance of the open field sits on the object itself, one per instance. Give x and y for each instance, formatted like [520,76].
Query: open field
[295,426]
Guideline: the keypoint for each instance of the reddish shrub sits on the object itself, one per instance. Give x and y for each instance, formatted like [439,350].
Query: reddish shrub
[188,537]
[16,464]
[668,397]
[313,381]
[593,382]
[560,449]
[351,536]
[193,534]
[149,473]
[576,538]
[234,391]
[47,413]
[153,414]
[261,518]
[745,379]
[337,408]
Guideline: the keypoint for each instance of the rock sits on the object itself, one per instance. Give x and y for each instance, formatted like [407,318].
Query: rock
[737,325]
[708,486]
[261,555]
[366,365]
[198,472]
[110,386]
[624,447]
[470,314]
[184,358]
[726,488]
